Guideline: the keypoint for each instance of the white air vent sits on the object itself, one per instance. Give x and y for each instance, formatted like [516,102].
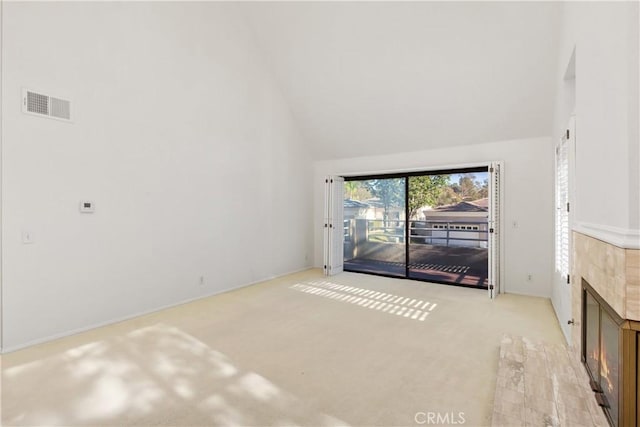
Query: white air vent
[45,106]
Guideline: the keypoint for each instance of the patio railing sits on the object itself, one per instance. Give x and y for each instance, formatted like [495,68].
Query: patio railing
[471,233]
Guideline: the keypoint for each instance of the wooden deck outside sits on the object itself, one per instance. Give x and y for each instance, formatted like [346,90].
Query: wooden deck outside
[455,265]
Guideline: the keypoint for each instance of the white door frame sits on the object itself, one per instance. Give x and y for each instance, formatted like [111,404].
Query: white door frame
[496,229]
[498,269]
[562,268]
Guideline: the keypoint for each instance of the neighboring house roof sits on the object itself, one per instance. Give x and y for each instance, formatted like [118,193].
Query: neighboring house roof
[349,203]
[480,205]
[483,203]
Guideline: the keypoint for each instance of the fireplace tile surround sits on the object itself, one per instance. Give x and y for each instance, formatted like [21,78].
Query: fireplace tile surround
[613,273]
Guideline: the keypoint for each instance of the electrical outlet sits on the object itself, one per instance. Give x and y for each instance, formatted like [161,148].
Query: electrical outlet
[529,277]
[201,280]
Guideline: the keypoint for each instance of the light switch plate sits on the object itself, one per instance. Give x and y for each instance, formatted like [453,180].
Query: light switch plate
[28,237]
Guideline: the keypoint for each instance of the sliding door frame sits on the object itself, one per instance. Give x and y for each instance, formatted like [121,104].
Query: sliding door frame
[443,170]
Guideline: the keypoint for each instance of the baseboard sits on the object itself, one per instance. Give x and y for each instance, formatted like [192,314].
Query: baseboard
[561,325]
[621,237]
[143,313]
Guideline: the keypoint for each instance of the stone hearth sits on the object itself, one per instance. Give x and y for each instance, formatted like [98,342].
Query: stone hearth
[541,384]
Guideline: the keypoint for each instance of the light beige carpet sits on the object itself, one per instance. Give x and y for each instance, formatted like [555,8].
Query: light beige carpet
[352,349]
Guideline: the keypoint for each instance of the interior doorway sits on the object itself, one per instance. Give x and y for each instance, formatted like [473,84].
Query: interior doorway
[433,226]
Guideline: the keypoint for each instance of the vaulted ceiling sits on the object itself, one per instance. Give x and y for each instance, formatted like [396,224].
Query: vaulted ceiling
[365,78]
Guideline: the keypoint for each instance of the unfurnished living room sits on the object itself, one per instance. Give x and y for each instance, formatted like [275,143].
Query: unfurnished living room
[319,213]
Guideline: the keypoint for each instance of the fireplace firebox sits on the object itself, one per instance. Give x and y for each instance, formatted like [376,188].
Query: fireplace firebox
[610,355]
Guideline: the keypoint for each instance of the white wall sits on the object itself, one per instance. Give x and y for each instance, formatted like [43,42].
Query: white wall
[605,38]
[181,139]
[359,75]
[528,200]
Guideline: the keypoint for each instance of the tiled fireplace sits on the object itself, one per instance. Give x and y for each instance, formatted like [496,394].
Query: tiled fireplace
[606,309]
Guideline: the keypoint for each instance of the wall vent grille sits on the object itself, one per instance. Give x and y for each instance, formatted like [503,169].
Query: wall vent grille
[37,103]
[60,108]
[45,106]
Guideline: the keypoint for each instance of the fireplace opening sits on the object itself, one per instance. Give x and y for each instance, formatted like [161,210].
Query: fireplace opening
[610,355]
